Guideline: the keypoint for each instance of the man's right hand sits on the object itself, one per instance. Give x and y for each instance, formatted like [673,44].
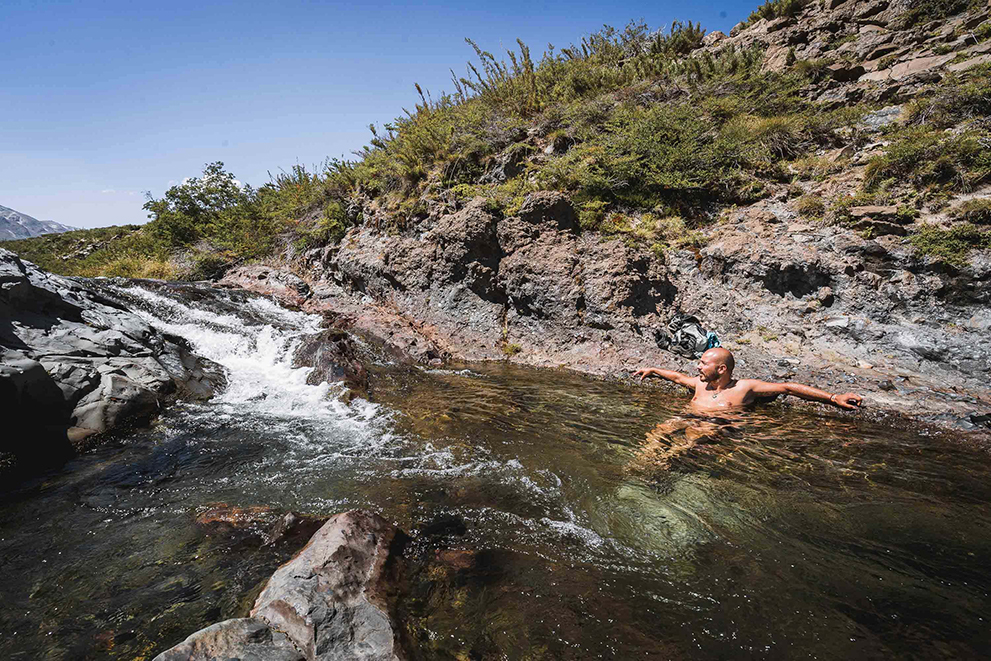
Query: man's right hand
[647,371]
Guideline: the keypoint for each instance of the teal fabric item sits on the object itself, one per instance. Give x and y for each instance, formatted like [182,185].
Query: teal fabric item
[711,341]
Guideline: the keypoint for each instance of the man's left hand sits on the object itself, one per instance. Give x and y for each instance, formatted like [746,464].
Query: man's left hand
[848,401]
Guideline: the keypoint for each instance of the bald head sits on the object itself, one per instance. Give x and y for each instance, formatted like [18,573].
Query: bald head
[716,365]
[720,356]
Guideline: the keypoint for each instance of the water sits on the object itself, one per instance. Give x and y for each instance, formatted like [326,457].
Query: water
[551,517]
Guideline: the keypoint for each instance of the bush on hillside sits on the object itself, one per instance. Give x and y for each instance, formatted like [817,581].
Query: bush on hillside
[775,9]
[977,211]
[951,246]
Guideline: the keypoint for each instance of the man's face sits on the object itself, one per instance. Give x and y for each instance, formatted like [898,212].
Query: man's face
[709,368]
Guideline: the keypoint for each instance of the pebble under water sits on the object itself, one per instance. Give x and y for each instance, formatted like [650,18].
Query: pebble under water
[553,516]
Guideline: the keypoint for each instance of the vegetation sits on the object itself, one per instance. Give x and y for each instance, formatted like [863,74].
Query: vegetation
[940,149]
[951,246]
[977,211]
[648,136]
[934,161]
[924,11]
[811,206]
[89,252]
[776,8]
[953,101]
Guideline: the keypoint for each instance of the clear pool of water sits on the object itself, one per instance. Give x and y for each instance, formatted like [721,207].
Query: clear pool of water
[554,516]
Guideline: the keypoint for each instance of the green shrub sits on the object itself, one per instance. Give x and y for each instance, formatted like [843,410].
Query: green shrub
[668,231]
[591,214]
[814,70]
[815,167]
[924,11]
[510,349]
[811,206]
[928,157]
[977,211]
[775,8]
[133,266]
[952,101]
[906,214]
[951,246]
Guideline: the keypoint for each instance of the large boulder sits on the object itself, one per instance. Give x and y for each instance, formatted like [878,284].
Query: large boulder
[76,363]
[334,600]
[333,358]
[244,639]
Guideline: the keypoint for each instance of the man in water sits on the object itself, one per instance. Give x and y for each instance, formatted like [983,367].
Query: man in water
[716,389]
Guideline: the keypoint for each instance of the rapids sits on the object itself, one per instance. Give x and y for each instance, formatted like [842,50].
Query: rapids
[553,516]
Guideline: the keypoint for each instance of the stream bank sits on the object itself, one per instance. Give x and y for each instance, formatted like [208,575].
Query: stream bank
[818,305]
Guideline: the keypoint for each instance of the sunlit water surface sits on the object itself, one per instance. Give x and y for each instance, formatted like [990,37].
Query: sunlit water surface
[552,517]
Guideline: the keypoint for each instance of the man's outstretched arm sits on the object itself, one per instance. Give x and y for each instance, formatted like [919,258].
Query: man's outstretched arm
[670,375]
[848,400]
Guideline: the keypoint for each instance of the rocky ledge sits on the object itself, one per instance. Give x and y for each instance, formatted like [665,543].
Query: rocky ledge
[75,364]
[815,304]
[334,600]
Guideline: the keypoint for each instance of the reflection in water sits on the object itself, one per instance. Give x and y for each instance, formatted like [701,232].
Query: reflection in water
[554,516]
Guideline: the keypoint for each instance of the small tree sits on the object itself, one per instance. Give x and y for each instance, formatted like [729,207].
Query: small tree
[198,206]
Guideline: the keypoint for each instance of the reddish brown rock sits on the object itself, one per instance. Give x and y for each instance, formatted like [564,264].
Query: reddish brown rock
[775,59]
[288,288]
[969,64]
[919,65]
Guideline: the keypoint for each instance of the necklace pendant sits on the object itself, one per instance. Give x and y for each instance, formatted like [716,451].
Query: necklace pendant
[715,395]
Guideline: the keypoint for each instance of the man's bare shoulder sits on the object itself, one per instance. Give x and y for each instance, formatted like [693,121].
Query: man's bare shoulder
[749,383]
[760,387]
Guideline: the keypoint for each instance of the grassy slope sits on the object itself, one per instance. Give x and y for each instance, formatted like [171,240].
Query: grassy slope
[648,137]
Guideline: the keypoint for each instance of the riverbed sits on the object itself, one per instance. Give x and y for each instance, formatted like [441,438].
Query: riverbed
[553,516]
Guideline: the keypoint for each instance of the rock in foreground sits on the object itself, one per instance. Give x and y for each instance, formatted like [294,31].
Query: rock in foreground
[333,600]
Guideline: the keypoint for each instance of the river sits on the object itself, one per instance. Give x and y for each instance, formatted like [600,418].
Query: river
[552,517]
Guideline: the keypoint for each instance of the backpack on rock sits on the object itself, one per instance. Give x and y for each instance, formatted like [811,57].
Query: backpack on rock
[685,336]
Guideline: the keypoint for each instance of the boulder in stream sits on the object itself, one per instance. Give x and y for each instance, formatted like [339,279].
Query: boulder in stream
[334,358]
[334,600]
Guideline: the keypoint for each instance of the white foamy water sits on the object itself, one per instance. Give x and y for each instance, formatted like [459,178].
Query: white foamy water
[257,358]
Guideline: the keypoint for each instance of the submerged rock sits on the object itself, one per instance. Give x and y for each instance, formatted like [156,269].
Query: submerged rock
[334,600]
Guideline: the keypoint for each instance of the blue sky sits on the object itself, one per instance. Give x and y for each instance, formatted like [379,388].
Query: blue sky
[101,101]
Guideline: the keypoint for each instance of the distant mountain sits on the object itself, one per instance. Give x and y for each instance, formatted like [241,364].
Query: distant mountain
[17,225]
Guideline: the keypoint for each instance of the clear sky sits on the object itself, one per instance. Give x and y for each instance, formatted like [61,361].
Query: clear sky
[103,100]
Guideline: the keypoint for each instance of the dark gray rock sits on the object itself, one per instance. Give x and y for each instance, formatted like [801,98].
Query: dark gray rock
[105,366]
[32,407]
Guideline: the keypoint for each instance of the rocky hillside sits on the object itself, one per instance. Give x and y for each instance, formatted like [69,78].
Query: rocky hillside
[17,225]
[855,258]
